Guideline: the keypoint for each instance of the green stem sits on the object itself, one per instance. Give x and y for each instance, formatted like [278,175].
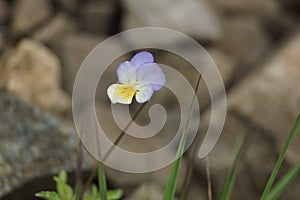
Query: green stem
[280,160]
[116,142]
[102,182]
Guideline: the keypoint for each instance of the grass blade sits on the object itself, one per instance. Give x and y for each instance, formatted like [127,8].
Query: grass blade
[102,182]
[280,187]
[231,176]
[280,159]
[171,185]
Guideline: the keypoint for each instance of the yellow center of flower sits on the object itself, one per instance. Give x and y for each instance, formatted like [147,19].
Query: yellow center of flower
[125,91]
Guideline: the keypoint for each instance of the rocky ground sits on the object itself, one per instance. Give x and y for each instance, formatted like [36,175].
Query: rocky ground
[255,44]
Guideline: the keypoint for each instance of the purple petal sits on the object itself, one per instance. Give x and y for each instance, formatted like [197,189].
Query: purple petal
[142,58]
[152,74]
[126,73]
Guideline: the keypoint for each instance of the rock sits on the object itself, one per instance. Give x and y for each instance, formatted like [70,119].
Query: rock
[33,144]
[243,38]
[33,72]
[263,107]
[59,26]
[264,8]
[224,62]
[192,17]
[256,162]
[73,48]
[99,16]
[4,11]
[147,191]
[29,14]
[270,98]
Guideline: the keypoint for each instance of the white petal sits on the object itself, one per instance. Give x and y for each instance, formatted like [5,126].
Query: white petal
[126,73]
[151,73]
[142,58]
[118,93]
[144,93]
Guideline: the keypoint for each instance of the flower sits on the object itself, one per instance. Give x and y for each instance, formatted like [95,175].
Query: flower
[139,77]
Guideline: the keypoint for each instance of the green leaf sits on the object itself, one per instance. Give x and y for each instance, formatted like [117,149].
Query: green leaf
[95,192]
[65,192]
[114,194]
[280,187]
[280,159]
[171,184]
[231,176]
[111,194]
[48,195]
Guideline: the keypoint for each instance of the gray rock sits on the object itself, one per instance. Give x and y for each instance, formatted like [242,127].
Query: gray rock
[255,165]
[33,144]
[192,17]
[58,27]
[263,107]
[29,14]
[31,71]
[99,16]
[224,62]
[72,49]
[264,8]
[270,98]
[243,38]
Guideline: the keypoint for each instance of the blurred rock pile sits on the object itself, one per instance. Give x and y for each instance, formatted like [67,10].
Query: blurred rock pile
[254,43]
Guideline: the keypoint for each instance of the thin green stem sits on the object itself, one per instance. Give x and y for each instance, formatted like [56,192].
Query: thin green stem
[102,182]
[280,159]
[116,142]
[171,185]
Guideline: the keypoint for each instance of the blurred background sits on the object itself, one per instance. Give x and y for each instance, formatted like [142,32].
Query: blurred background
[255,44]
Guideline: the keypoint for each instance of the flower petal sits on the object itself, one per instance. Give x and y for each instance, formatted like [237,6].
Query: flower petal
[152,74]
[142,58]
[126,73]
[118,93]
[144,93]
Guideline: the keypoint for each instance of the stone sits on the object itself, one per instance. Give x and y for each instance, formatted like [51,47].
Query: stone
[257,159]
[264,8]
[99,16]
[34,144]
[33,72]
[262,107]
[52,32]
[243,38]
[225,63]
[192,17]
[30,14]
[72,49]
[270,98]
